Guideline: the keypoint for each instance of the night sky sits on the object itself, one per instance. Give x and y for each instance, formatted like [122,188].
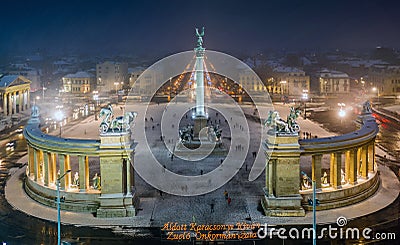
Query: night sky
[140,27]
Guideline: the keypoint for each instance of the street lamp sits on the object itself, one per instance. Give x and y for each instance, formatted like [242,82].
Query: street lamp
[96,99]
[305,98]
[59,115]
[58,207]
[342,113]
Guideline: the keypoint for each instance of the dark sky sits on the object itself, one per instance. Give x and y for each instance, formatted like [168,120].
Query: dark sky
[137,27]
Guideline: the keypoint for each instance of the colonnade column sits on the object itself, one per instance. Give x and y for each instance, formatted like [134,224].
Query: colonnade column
[83,173]
[21,101]
[9,104]
[316,170]
[5,104]
[371,157]
[335,169]
[14,102]
[61,169]
[353,163]
[31,160]
[66,167]
[359,161]
[364,164]
[53,162]
[35,164]
[46,168]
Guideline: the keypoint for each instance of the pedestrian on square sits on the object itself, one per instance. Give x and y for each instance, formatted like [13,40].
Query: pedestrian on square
[212,207]
[229,200]
[226,195]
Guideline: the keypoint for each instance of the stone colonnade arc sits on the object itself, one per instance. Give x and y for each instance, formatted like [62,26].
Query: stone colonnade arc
[47,154]
[359,181]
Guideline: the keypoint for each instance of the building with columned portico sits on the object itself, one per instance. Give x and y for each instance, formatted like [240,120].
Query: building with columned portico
[14,94]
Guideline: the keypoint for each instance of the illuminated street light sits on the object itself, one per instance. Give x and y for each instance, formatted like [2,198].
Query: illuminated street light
[58,207]
[59,115]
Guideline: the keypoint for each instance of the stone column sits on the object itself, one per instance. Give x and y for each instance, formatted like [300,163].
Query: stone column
[35,164]
[31,161]
[66,167]
[352,176]
[9,102]
[61,168]
[371,157]
[46,168]
[14,104]
[364,164]
[5,104]
[336,162]
[54,167]
[359,161]
[83,173]
[21,103]
[316,170]
[347,162]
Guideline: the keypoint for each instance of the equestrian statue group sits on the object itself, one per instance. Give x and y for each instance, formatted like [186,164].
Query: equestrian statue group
[279,126]
[111,123]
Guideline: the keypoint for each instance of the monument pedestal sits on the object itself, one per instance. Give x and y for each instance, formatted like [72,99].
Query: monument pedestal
[281,194]
[116,154]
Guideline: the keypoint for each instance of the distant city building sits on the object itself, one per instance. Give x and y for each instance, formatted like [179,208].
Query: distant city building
[14,94]
[251,82]
[78,83]
[111,76]
[333,82]
[390,85]
[291,81]
[134,74]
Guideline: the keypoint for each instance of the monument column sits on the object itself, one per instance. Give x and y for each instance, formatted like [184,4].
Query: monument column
[200,120]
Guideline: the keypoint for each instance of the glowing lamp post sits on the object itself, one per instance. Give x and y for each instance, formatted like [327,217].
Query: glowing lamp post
[342,113]
[59,115]
[58,207]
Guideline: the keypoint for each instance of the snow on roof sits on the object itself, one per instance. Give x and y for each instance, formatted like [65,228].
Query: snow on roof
[332,73]
[287,69]
[7,79]
[79,74]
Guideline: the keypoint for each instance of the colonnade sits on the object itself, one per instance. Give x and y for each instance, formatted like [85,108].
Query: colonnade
[359,161]
[12,98]
[43,169]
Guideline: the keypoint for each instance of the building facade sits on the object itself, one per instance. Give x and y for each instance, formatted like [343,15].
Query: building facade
[111,76]
[333,82]
[251,82]
[78,83]
[291,81]
[14,94]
